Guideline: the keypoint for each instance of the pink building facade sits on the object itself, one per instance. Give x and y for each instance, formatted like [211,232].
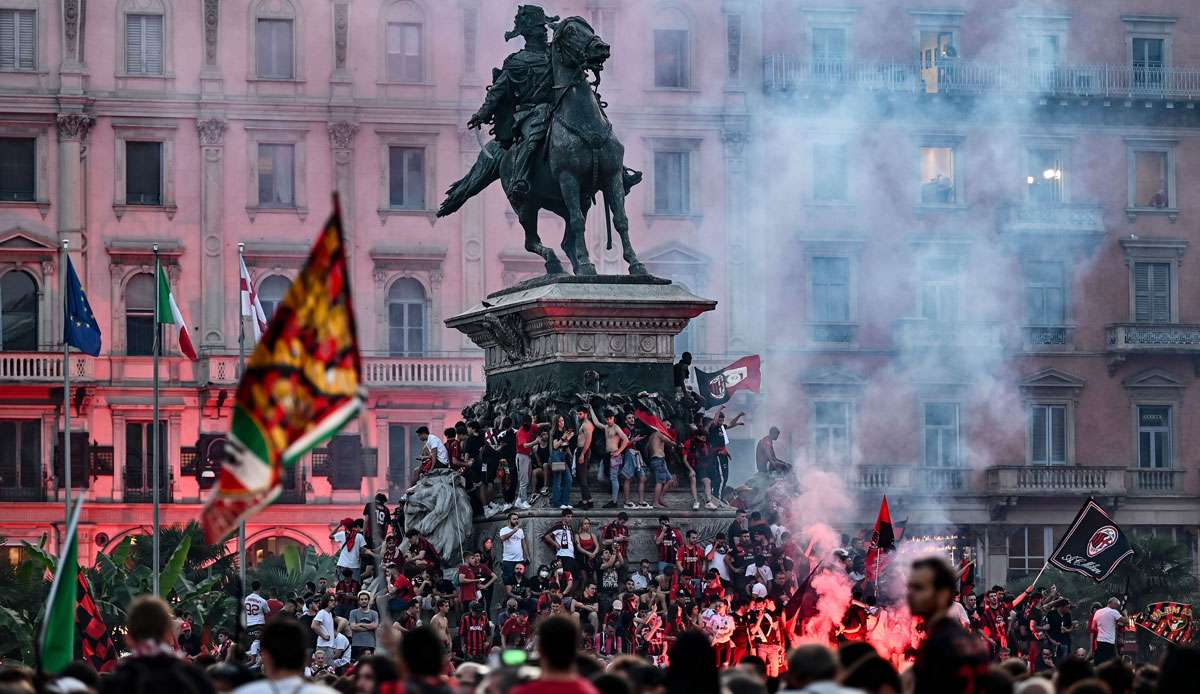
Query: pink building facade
[960,234]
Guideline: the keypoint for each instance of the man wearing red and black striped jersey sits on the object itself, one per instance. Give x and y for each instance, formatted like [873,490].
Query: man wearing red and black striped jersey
[691,558]
[616,536]
[474,633]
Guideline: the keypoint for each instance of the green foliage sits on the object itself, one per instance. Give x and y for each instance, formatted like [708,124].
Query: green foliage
[287,574]
[23,590]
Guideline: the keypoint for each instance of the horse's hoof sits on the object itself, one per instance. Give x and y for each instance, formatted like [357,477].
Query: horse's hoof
[638,269]
[555,269]
[586,269]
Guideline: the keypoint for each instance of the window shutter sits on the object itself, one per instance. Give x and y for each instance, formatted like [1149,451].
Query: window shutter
[8,39]
[346,453]
[135,63]
[79,460]
[1038,434]
[153,44]
[1141,292]
[1058,434]
[1160,292]
[26,39]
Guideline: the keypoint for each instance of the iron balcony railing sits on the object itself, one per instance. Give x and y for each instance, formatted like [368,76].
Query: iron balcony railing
[784,73]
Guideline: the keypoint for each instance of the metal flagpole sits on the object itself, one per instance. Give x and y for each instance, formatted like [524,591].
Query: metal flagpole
[66,367]
[155,453]
[241,546]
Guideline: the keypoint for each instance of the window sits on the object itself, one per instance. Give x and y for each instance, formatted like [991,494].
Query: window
[346,464]
[406,318]
[144,44]
[1028,548]
[1044,50]
[404,52]
[1150,179]
[828,46]
[274,52]
[17,168]
[403,445]
[139,461]
[1154,436]
[1045,294]
[143,173]
[1044,175]
[671,182]
[1048,434]
[139,315]
[21,456]
[271,292]
[1148,61]
[938,289]
[276,175]
[940,422]
[671,58]
[18,39]
[830,301]
[831,433]
[406,178]
[829,173]
[937,176]
[19,317]
[1152,292]
[937,47]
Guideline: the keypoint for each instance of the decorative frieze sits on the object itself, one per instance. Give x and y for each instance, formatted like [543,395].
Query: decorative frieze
[211,22]
[73,127]
[341,134]
[212,132]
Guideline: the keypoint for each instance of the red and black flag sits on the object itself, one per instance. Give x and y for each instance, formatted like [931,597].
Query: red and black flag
[94,635]
[1093,546]
[1170,620]
[883,540]
[718,387]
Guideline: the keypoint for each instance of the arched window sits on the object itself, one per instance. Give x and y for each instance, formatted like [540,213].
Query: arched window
[18,312]
[404,42]
[139,315]
[672,51]
[271,293]
[269,547]
[406,318]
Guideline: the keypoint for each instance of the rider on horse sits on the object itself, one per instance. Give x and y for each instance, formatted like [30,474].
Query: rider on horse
[521,94]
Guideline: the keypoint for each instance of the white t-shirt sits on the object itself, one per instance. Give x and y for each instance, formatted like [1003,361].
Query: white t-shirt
[324,617]
[763,572]
[341,645]
[718,563]
[565,540]
[349,557]
[512,546]
[1106,624]
[959,613]
[254,610]
[438,449]
[640,581]
[288,685]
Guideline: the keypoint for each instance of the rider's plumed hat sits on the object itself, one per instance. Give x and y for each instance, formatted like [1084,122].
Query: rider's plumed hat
[529,18]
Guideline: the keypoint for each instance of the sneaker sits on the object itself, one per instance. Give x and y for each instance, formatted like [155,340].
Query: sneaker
[585,504]
[695,505]
[646,504]
[611,504]
[568,507]
[564,507]
[522,504]
[630,505]
[710,505]
[544,491]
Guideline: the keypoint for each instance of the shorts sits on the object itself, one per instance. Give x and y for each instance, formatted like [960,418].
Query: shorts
[661,474]
[710,468]
[633,467]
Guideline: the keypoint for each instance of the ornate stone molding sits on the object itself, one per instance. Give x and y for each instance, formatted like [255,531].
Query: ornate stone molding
[341,134]
[211,22]
[341,23]
[73,127]
[72,18]
[212,132]
[735,141]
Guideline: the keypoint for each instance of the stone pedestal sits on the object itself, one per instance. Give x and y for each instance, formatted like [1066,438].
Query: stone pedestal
[605,334]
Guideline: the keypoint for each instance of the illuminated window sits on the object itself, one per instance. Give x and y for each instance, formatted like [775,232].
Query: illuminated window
[937,176]
[1151,179]
[1044,175]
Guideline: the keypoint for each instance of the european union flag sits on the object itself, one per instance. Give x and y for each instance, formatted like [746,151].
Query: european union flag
[80,328]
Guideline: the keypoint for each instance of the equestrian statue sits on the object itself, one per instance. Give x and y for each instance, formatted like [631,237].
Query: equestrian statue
[554,147]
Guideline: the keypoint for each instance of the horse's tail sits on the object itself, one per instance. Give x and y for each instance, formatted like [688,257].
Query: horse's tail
[485,171]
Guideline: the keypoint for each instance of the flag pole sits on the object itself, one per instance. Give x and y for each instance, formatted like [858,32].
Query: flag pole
[155,453]
[241,543]
[62,284]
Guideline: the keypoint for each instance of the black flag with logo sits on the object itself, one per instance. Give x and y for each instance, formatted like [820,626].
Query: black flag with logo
[1093,546]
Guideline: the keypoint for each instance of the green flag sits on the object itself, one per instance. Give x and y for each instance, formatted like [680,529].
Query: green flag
[58,625]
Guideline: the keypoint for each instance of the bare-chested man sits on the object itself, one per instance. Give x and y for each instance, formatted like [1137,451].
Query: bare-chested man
[615,442]
[583,443]
[656,448]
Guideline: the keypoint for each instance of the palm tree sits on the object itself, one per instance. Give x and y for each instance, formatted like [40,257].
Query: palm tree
[286,574]
[23,590]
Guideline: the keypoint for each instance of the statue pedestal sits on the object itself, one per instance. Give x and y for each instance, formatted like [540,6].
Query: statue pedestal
[602,334]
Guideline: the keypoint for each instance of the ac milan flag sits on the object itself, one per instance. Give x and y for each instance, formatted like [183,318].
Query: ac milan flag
[94,635]
[654,423]
[718,387]
[1093,546]
[302,384]
[1170,620]
[883,540]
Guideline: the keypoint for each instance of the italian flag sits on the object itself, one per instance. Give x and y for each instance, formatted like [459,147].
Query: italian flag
[169,314]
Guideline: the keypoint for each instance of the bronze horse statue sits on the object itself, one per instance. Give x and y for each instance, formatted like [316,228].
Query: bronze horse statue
[579,158]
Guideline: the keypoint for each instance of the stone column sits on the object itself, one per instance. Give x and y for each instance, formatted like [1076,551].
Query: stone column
[211,84]
[738,325]
[72,133]
[474,266]
[213,309]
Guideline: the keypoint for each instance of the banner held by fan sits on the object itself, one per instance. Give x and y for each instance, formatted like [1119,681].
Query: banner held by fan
[302,384]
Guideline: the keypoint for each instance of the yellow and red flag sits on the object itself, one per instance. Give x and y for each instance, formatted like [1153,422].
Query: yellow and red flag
[302,384]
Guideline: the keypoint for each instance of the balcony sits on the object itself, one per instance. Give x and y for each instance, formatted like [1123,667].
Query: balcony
[41,367]
[905,479]
[925,333]
[785,74]
[1153,338]
[1040,223]
[1065,480]
[22,494]
[428,371]
[1154,481]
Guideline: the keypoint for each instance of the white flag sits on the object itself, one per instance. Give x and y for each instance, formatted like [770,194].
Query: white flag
[251,308]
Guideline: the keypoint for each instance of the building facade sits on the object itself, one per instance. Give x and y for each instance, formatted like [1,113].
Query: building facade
[199,126]
[960,235]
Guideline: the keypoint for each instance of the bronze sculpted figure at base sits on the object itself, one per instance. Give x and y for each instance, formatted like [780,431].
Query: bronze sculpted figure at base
[554,147]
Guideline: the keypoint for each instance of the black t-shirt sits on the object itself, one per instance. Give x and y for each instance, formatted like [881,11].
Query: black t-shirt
[508,445]
[382,517]
[1057,623]
[949,660]
[306,622]
[681,374]
[471,448]
[520,587]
